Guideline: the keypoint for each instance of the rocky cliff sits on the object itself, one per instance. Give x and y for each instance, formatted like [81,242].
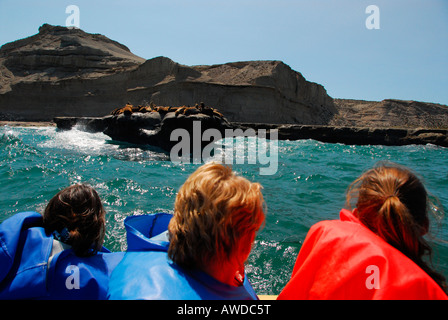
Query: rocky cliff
[389,113]
[67,72]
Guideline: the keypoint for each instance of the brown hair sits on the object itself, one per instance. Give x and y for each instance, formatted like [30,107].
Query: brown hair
[213,211]
[77,208]
[393,203]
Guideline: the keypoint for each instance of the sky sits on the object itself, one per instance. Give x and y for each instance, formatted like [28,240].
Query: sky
[397,51]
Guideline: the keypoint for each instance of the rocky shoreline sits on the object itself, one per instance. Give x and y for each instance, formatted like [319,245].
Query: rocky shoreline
[359,135]
[28,123]
[328,134]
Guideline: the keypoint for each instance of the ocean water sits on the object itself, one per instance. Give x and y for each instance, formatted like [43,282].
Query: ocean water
[309,186]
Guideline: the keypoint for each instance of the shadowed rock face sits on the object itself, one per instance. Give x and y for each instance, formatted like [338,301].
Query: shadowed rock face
[155,126]
[68,72]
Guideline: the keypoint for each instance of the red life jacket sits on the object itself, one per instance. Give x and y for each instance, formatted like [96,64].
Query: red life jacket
[343,259]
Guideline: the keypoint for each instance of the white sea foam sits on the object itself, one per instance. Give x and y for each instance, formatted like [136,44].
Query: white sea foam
[95,144]
[77,140]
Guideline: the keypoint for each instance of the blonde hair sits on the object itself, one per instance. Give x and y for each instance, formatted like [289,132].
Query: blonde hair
[393,203]
[213,211]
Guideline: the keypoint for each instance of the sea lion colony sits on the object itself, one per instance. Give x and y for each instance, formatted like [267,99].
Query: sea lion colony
[128,109]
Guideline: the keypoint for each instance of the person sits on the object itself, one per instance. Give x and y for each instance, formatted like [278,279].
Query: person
[198,252]
[376,251]
[57,255]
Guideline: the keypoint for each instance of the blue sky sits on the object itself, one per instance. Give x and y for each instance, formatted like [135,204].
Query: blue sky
[326,40]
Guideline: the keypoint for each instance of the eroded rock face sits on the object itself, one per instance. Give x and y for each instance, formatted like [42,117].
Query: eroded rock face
[61,72]
[58,53]
[68,72]
[390,113]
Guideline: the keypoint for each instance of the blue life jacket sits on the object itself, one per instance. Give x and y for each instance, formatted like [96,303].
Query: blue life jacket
[26,273]
[146,272]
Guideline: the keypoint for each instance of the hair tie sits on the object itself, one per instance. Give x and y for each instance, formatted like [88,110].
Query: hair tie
[392,196]
[62,236]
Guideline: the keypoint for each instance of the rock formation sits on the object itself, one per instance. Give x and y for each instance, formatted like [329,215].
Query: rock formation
[153,125]
[61,72]
[67,72]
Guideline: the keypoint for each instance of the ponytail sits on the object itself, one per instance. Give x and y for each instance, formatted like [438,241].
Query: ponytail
[393,203]
[397,227]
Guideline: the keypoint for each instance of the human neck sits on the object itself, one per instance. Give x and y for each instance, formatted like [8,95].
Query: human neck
[226,273]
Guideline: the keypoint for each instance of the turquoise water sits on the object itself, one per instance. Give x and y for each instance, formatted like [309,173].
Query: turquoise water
[309,186]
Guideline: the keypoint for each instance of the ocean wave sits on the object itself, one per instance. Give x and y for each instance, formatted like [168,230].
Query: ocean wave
[79,142]
[13,145]
[278,262]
